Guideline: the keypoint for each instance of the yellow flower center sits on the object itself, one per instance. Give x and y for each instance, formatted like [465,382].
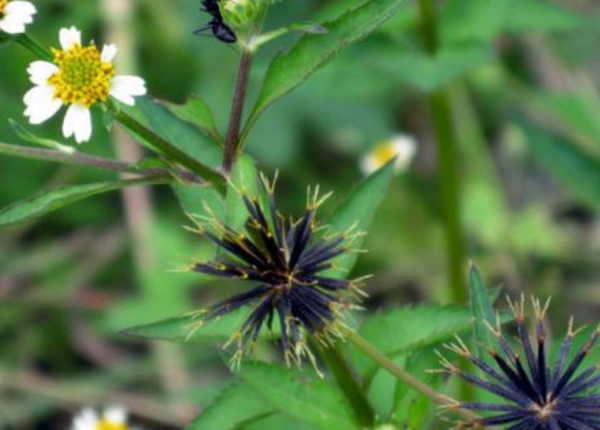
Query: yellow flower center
[83,78]
[384,153]
[3,4]
[107,425]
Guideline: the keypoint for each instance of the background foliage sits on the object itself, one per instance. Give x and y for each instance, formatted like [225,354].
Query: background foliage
[523,80]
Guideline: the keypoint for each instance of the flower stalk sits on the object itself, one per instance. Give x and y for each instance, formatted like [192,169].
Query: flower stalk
[232,142]
[402,375]
[35,47]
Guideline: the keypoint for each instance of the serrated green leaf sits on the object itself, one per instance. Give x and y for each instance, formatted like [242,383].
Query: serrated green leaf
[573,167]
[358,212]
[196,112]
[190,328]
[313,51]
[482,310]
[301,395]
[48,201]
[236,406]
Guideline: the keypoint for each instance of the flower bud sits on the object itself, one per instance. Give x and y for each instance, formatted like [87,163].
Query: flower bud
[243,15]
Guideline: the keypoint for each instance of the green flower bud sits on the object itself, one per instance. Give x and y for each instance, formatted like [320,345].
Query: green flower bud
[243,16]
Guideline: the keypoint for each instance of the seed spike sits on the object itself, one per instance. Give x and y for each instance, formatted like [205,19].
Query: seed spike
[534,398]
[288,261]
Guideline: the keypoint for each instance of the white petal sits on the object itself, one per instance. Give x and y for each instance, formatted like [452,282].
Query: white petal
[368,165]
[78,122]
[69,37]
[108,53]
[16,15]
[87,419]
[41,104]
[124,88]
[18,7]
[11,26]
[41,71]
[406,148]
[115,415]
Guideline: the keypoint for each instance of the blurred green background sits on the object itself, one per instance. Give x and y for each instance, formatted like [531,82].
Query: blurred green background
[523,76]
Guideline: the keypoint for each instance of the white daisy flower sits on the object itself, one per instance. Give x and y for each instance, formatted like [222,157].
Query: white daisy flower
[401,146]
[79,78]
[15,15]
[113,418]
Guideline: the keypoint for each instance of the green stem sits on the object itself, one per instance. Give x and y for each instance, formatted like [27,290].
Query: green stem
[85,160]
[172,152]
[340,369]
[396,370]
[448,159]
[35,47]
[450,187]
[232,142]
[405,377]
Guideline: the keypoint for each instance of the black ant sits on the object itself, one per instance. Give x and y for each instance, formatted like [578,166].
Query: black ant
[218,27]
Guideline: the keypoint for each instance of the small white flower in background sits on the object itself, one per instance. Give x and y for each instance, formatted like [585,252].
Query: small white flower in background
[401,146]
[113,418]
[15,15]
[79,78]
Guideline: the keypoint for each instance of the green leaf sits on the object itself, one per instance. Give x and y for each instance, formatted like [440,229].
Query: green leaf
[190,329]
[48,201]
[199,200]
[358,212]
[278,422]
[236,406]
[161,131]
[577,110]
[482,310]
[196,112]
[313,51]
[301,395]
[244,179]
[411,407]
[28,136]
[578,170]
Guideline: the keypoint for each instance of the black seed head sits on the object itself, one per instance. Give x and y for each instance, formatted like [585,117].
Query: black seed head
[286,262]
[534,394]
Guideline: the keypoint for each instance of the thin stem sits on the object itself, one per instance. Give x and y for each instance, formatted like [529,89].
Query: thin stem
[396,370]
[340,369]
[448,160]
[405,377]
[232,142]
[35,47]
[85,160]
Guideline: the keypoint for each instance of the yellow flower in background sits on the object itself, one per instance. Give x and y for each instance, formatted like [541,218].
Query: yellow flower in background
[79,77]
[401,146]
[113,418]
[15,15]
